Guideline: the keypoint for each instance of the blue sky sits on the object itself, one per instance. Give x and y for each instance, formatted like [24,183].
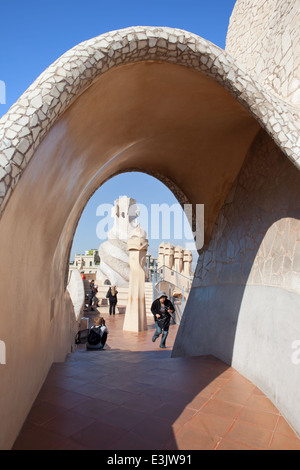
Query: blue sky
[34,33]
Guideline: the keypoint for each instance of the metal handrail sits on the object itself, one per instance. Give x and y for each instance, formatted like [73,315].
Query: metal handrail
[164,267]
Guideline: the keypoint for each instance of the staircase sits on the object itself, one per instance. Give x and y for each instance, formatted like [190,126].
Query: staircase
[104,302]
[86,285]
[148,297]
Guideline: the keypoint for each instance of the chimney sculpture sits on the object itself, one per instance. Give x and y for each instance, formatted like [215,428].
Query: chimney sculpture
[135,315]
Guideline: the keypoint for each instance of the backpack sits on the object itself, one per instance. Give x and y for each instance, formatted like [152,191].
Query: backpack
[94,337]
[82,336]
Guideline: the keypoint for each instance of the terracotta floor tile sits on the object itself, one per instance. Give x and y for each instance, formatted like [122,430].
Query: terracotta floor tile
[36,438]
[170,445]
[65,369]
[198,402]
[158,395]
[261,403]
[69,383]
[222,408]
[143,403]
[210,424]
[181,398]
[68,444]
[41,412]
[68,423]
[93,390]
[135,396]
[90,376]
[284,428]
[259,418]
[226,444]
[67,400]
[237,380]
[50,393]
[155,429]
[134,387]
[191,439]
[133,441]
[118,397]
[183,418]
[149,379]
[237,395]
[98,436]
[218,382]
[209,390]
[228,373]
[94,408]
[123,418]
[284,442]
[249,434]
[174,413]
[257,391]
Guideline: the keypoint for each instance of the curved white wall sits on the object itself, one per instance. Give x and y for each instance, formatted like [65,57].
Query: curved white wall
[245,300]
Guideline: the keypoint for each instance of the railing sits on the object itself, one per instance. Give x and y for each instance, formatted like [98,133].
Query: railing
[173,276]
[182,289]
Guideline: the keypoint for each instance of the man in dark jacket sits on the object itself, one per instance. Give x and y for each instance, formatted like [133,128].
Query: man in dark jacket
[162,309]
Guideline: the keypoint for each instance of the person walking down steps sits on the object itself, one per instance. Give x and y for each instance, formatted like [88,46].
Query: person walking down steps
[113,299]
[162,310]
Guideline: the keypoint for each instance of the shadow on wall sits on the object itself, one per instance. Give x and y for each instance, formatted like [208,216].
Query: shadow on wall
[254,244]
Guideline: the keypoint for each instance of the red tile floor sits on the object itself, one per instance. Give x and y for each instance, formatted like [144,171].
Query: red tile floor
[134,396]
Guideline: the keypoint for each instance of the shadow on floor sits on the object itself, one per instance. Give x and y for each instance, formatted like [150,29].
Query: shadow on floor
[118,399]
[134,396]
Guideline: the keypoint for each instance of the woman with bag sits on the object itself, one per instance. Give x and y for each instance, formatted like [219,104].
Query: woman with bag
[112,297]
[162,309]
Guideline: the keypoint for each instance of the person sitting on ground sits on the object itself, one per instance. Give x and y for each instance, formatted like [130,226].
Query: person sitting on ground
[98,334]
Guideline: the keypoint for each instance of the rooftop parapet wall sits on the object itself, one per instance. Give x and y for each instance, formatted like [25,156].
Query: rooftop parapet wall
[269,48]
[29,120]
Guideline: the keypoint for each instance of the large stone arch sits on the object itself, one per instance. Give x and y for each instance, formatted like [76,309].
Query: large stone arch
[30,118]
[160,100]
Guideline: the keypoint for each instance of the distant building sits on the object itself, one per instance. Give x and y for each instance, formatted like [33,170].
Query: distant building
[87,263]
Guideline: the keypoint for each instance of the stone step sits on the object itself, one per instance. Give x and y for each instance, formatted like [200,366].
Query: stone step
[120,309]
